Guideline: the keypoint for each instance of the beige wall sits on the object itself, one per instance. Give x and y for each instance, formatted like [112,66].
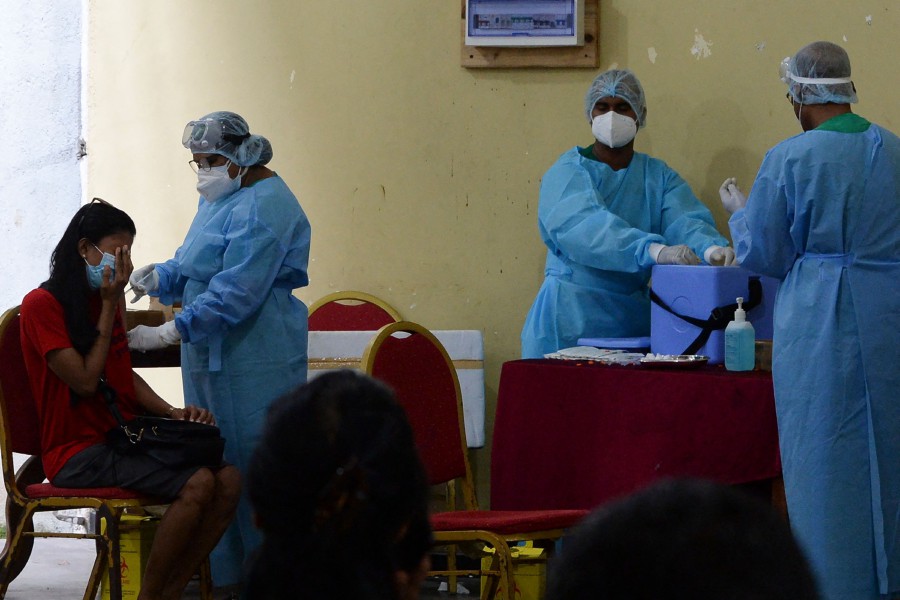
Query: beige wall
[420,177]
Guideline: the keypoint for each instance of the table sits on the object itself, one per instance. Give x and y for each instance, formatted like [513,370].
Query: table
[330,350]
[170,356]
[574,434]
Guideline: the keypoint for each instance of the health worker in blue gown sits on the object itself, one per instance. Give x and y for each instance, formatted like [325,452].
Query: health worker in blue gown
[824,216]
[243,334]
[607,214]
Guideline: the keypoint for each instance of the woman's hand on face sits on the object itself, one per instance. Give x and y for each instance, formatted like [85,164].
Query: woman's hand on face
[113,287]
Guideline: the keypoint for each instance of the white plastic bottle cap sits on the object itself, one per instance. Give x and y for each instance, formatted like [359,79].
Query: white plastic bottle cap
[739,313]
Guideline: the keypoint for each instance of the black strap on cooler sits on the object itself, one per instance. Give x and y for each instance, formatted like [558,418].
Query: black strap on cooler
[719,317]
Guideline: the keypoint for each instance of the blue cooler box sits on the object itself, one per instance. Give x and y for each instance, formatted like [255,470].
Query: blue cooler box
[694,291]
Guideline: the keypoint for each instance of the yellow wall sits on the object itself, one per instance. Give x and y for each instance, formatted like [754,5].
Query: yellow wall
[421,177]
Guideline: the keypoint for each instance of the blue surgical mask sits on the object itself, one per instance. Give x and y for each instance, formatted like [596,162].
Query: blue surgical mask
[95,273]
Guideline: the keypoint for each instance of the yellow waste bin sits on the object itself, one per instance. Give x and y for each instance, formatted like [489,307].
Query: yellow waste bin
[135,539]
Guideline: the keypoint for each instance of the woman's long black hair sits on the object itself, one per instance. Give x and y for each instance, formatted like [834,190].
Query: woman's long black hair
[340,493]
[68,280]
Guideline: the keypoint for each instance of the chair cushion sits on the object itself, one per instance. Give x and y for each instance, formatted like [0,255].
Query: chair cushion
[21,410]
[335,316]
[425,386]
[506,521]
[47,490]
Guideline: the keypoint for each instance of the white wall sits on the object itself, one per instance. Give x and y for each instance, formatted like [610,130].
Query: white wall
[40,125]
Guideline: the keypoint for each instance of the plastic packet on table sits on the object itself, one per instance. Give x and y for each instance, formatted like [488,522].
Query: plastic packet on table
[619,357]
[678,360]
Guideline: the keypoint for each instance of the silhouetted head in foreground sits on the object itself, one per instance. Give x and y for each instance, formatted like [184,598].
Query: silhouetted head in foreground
[682,539]
[340,494]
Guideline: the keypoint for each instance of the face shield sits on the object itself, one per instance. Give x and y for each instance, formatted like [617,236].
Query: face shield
[207,136]
[202,136]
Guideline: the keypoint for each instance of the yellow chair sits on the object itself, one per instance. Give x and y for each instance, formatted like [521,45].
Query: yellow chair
[28,493]
[350,311]
[413,362]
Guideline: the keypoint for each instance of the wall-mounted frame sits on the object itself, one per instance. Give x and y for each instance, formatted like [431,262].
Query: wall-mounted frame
[503,56]
[524,23]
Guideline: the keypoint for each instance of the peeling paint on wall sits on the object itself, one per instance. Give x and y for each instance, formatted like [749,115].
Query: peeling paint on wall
[761,46]
[701,47]
[651,54]
[869,20]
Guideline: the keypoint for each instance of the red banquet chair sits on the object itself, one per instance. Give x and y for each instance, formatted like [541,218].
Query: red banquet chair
[413,362]
[28,493]
[350,311]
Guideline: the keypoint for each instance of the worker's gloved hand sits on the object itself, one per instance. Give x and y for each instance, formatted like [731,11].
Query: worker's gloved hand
[732,197]
[143,338]
[143,281]
[677,255]
[719,256]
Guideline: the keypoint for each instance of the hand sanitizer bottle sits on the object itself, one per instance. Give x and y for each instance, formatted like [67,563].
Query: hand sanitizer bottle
[740,342]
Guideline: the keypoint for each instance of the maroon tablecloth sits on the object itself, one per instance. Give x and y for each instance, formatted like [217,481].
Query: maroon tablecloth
[573,434]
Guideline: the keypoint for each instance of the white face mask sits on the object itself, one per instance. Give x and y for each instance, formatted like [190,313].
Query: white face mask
[216,183]
[613,130]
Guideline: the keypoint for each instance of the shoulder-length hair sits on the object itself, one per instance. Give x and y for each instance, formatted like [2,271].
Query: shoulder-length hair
[68,279]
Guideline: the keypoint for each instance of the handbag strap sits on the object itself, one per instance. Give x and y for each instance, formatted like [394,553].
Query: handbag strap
[109,396]
[719,317]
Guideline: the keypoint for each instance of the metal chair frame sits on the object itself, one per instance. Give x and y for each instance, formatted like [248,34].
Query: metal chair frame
[350,297]
[500,572]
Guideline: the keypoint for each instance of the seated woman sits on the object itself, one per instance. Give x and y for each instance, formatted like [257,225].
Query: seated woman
[340,494]
[73,336]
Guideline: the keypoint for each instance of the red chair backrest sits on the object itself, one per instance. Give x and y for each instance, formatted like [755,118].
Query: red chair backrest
[24,426]
[423,383]
[355,315]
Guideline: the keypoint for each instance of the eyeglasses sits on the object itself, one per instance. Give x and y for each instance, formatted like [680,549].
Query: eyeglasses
[89,206]
[205,164]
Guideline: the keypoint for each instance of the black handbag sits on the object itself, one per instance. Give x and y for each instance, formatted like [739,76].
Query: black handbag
[172,442]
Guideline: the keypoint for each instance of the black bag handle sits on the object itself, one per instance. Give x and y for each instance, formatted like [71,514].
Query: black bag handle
[109,395]
[719,317]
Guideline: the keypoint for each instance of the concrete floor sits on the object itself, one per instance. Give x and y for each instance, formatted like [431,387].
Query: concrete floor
[59,568]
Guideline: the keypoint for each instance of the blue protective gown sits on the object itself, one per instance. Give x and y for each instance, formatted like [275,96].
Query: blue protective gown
[824,216]
[598,225]
[244,334]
